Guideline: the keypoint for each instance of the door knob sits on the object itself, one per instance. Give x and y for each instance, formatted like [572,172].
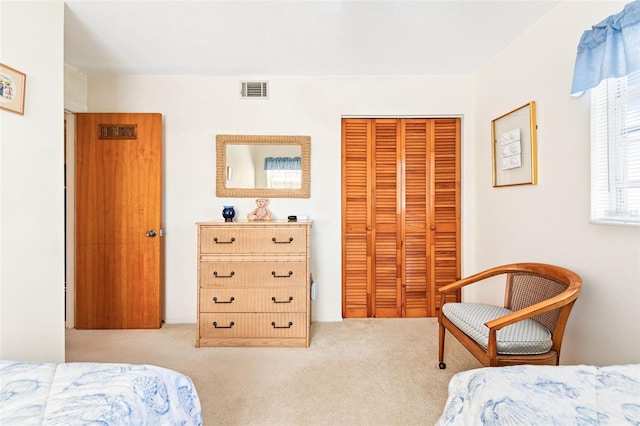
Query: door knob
[151,233]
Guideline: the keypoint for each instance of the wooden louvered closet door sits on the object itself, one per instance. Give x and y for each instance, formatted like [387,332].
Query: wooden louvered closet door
[401,220]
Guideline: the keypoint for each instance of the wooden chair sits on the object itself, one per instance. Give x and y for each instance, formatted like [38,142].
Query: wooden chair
[530,327]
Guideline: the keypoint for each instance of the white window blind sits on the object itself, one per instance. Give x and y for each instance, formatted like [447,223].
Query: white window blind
[615,151]
[283,178]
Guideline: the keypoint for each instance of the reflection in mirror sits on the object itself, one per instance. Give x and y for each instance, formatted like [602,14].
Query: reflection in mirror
[263,166]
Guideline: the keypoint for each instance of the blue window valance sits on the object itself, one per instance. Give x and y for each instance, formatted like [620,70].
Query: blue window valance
[282,163]
[611,49]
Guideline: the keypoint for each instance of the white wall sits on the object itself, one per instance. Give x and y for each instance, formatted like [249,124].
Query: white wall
[197,108]
[549,222]
[75,89]
[32,186]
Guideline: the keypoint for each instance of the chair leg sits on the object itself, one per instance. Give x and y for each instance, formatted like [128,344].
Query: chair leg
[441,334]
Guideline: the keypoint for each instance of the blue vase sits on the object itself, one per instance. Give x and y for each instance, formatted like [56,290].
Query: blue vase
[228,213]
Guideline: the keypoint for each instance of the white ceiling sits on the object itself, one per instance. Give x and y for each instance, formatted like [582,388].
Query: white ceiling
[295,38]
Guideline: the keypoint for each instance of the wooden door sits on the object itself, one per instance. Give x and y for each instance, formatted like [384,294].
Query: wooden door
[416,214]
[385,235]
[401,221]
[356,218]
[118,220]
[444,261]
[372,218]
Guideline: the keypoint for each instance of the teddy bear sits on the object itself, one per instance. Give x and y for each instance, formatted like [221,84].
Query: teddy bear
[261,212]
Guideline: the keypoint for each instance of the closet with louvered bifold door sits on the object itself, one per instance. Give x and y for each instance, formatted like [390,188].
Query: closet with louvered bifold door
[400,215]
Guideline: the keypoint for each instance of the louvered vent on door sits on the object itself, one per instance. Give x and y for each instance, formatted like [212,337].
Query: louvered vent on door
[254,89]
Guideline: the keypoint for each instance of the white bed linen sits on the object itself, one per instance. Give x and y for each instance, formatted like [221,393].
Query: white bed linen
[544,395]
[95,394]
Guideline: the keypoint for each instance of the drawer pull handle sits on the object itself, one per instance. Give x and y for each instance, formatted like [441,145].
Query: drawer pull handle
[275,241]
[282,301]
[231,324]
[215,300]
[215,274]
[281,276]
[215,240]
[284,326]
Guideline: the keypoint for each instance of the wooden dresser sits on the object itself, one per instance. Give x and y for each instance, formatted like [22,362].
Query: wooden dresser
[253,284]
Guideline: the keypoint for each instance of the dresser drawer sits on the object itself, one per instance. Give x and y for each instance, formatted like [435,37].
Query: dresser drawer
[216,325]
[253,274]
[260,239]
[253,299]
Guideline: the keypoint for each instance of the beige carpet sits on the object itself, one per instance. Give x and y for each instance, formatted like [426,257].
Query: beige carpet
[356,372]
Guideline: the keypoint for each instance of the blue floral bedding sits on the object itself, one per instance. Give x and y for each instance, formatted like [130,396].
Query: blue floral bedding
[96,394]
[544,395]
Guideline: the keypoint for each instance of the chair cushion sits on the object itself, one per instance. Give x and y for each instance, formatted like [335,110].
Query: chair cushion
[526,337]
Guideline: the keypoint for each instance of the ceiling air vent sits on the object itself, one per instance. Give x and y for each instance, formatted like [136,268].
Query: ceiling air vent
[254,89]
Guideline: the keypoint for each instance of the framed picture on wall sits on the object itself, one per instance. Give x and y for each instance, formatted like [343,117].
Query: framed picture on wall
[12,87]
[513,140]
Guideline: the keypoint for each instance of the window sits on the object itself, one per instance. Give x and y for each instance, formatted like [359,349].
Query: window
[615,151]
[283,172]
[283,178]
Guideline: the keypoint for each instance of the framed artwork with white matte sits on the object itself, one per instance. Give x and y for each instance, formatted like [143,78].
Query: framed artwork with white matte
[513,146]
[12,89]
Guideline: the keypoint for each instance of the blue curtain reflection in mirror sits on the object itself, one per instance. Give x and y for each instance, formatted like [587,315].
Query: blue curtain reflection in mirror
[283,172]
[282,163]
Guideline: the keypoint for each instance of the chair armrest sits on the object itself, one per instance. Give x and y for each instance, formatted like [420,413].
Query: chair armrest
[472,279]
[454,286]
[554,272]
[566,297]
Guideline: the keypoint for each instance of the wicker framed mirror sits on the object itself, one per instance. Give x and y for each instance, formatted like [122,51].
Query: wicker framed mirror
[266,166]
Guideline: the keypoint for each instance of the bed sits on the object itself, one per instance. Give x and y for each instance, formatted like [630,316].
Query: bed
[95,393]
[544,395]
